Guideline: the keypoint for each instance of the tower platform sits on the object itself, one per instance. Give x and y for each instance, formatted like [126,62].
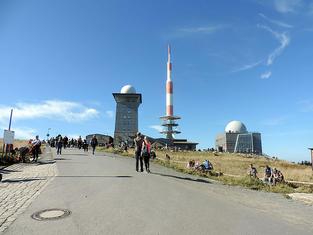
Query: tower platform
[168,124]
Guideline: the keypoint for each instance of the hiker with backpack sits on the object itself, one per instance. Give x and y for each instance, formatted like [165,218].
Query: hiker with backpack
[93,143]
[145,153]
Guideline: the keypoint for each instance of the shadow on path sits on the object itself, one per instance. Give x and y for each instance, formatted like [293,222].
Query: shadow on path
[20,180]
[184,178]
[3,171]
[94,176]
[60,158]
[46,163]
[75,154]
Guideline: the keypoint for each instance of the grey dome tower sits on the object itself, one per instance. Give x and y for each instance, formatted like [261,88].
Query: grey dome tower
[126,119]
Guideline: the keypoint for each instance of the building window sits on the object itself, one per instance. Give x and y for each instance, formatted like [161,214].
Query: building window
[128,133]
[128,117]
[124,111]
[128,123]
[123,139]
[128,128]
[124,122]
[124,128]
[128,111]
[127,139]
[123,133]
[124,116]
[128,106]
[124,106]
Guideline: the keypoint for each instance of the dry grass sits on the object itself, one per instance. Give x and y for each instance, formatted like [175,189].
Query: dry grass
[236,164]
[17,143]
[11,159]
[234,167]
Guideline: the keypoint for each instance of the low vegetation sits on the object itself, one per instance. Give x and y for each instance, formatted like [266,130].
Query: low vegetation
[8,160]
[234,168]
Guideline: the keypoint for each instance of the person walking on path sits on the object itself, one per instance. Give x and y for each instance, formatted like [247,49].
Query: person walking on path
[59,143]
[86,144]
[145,152]
[138,144]
[93,143]
[36,145]
[79,142]
[65,141]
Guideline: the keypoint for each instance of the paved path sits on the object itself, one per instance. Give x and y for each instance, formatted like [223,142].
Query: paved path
[106,196]
[21,184]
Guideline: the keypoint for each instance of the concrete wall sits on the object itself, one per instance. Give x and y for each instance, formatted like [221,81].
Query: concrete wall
[220,142]
[102,139]
[126,119]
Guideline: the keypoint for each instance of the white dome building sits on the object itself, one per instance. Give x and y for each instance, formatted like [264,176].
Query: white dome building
[128,89]
[236,138]
[236,127]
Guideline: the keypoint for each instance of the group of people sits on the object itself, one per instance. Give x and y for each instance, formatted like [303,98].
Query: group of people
[206,165]
[271,175]
[66,142]
[34,151]
[142,152]
[81,143]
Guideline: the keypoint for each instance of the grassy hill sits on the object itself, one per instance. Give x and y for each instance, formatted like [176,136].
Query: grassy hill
[234,168]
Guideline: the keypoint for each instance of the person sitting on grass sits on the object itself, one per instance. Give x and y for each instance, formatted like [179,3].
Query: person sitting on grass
[207,165]
[152,154]
[277,176]
[268,175]
[252,171]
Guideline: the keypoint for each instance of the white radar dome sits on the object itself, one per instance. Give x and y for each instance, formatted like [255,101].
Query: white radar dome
[236,127]
[128,89]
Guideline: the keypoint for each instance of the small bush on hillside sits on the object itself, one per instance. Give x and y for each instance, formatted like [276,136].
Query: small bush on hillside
[7,160]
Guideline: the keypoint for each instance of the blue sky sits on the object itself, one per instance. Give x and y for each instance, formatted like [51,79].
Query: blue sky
[244,60]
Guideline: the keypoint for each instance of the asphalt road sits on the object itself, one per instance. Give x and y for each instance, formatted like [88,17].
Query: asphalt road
[106,196]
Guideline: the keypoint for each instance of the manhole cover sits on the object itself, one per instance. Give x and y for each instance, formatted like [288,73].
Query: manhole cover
[51,214]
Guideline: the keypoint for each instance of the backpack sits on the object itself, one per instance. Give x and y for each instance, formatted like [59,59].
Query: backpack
[145,151]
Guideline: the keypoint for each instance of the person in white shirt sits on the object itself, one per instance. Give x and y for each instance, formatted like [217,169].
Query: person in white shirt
[36,145]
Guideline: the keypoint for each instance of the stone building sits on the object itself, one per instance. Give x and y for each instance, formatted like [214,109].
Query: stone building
[126,119]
